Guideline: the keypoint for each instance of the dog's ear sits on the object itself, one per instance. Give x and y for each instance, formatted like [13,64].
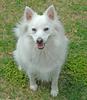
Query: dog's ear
[28,13]
[51,13]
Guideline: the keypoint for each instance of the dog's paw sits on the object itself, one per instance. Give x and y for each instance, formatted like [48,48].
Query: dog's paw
[19,67]
[54,93]
[33,87]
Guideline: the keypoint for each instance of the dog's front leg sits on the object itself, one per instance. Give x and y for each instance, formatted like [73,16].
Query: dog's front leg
[54,87]
[33,85]
[54,84]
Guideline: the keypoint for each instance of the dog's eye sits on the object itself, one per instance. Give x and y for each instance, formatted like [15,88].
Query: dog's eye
[46,29]
[34,29]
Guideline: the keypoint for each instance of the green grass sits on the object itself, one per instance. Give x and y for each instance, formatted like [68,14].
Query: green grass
[73,78]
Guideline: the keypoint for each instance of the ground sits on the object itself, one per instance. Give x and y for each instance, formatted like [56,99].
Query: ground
[14,84]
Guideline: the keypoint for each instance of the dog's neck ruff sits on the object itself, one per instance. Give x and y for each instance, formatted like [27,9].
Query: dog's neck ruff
[44,59]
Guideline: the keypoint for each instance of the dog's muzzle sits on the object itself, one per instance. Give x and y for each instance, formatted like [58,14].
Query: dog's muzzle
[40,43]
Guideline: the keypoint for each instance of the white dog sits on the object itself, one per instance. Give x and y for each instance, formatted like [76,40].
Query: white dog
[41,47]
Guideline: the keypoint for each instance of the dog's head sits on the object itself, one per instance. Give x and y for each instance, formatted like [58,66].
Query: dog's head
[40,27]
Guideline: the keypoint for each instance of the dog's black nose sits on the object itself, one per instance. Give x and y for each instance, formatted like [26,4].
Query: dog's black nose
[39,40]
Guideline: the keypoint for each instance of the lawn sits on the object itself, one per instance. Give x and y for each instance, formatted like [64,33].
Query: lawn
[73,79]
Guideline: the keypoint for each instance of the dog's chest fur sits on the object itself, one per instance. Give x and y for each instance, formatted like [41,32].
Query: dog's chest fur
[42,63]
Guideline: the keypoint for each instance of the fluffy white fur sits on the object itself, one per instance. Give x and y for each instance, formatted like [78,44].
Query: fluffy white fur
[44,64]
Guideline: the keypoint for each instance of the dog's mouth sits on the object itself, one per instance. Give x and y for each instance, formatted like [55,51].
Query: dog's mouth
[40,45]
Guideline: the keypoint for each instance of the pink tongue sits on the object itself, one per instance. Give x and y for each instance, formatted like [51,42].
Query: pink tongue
[40,46]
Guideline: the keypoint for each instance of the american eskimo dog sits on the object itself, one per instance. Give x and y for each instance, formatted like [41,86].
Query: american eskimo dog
[41,47]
